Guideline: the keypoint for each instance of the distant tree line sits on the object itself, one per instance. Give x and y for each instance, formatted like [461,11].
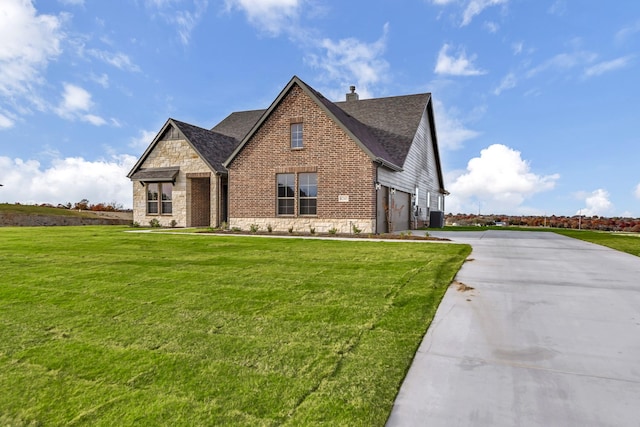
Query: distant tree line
[572,222]
[85,205]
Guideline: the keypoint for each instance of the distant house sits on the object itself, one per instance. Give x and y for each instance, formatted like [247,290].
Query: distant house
[305,162]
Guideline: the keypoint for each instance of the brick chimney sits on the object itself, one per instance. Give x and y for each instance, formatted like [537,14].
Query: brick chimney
[353,96]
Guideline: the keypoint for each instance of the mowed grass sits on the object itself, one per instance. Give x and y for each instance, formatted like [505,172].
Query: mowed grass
[102,327]
[629,243]
[7,208]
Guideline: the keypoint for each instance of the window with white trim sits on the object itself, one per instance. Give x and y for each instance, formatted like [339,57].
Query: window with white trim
[286,193]
[296,135]
[302,193]
[308,193]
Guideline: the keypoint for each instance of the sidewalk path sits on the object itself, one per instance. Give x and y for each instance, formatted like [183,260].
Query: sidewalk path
[548,336]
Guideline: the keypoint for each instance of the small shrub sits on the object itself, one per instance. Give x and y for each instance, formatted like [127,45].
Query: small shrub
[290,230]
[254,228]
[236,229]
[135,224]
[355,229]
[269,228]
[224,225]
[333,230]
[154,223]
[173,223]
[312,230]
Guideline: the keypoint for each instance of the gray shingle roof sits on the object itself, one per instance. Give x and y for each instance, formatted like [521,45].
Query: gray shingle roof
[393,121]
[212,146]
[238,124]
[384,127]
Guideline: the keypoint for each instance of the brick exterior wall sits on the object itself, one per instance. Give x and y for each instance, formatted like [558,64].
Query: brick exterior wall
[175,153]
[342,168]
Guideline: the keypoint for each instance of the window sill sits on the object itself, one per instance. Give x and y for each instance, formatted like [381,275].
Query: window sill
[297,148]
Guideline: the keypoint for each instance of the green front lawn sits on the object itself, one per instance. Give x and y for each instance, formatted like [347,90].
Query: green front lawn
[103,327]
[629,243]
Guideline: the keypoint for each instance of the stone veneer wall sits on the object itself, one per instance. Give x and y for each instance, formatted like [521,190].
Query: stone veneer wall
[303,224]
[345,172]
[174,153]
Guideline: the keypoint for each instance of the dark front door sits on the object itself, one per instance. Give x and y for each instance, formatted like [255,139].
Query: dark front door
[200,202]
[224,200]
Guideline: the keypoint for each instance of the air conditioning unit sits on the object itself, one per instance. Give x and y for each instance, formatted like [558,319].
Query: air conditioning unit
[436,219]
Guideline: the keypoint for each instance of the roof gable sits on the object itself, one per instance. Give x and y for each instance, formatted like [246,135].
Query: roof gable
[383,128]
[212,147]
[393,120]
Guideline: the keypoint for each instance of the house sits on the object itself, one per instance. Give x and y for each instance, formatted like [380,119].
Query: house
[304,163]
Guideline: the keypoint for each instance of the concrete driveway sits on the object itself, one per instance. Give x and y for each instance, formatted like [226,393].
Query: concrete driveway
[548,336]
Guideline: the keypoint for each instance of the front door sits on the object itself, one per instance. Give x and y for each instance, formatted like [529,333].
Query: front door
[200,202]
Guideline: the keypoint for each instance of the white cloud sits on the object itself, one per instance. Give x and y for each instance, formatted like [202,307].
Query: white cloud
[351,61]
[75,99]
[558,8]
[607,66]
[508,82]
[185,20]
[517,47]
[143,139]
[5,122]
[270,16]
[28,42]
[342,62]
[475,7]
[67,180]
[627,32]
[596,203]
[76,104]
[117,59]
[102,80]
[564,61]
[452,132]
[72,2]
[93,119]
[500,180]
[456,66]
[492,27]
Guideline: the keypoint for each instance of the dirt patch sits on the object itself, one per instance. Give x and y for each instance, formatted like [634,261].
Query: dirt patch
[461,287]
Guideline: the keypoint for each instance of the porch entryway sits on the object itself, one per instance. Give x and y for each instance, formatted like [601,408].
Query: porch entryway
[200,202]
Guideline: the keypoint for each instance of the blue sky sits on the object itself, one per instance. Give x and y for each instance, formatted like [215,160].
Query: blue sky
[536,101]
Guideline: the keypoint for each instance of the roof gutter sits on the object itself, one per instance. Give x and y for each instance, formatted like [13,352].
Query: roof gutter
[385,163]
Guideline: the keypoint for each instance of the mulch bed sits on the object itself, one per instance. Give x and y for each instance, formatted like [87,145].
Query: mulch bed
[385,236]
